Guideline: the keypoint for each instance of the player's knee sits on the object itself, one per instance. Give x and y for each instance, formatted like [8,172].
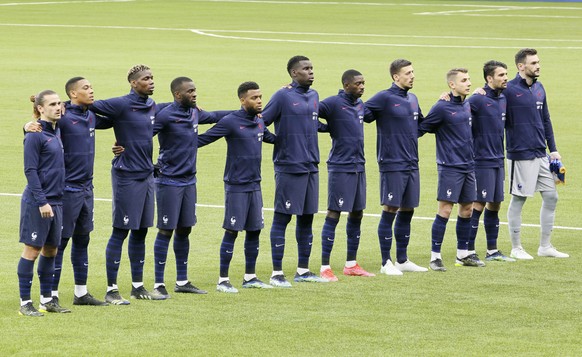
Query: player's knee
[183,231]
[356,215]
[305,220]
[550,199]
[165,232]
[333,214]
[282,218]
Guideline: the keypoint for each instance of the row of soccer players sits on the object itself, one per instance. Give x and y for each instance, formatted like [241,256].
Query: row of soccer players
[469,136]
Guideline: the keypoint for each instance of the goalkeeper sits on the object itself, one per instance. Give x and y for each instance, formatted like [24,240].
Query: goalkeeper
[529,136]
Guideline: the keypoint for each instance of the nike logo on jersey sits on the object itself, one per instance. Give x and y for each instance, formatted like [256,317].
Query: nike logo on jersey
[519,95]
[279,245]
[397,104]
[74,121]
[116,261]
[489,104]
[453,113]
[229,251]
[330,239]
[142,261]
[161,262]
[296,104]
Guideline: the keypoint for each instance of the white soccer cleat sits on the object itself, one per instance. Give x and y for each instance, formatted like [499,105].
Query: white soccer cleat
[550,251]
[409,266]
[520,253]
[390,269]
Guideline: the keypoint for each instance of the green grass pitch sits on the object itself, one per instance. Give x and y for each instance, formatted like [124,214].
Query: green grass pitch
[524,308]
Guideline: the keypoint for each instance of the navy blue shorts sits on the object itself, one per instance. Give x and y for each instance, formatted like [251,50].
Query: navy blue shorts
[176,206]
[296,194]
[456,187]
[346,191]
[400,188]
[490,184]
[37,231]
[133,202]
[243,211]
[77,212]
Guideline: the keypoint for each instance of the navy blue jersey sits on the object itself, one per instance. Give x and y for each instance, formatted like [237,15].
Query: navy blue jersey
[244,136]
[451,122]
[133,120]
[294,110]
[177,130]
[44,166]
[488,123]
[397,116]
[528,126]
[345,115]
[77,127]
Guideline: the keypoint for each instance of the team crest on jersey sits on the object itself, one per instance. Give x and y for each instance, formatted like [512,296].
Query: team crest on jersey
[415,116]
[390,196]
[287,204]
[91,132]
[153,119]
[519,186]
[260,136]
[361,119]
[449,193]
[470,121]
[340,202]
[539,105]
[125,220]
[503,116]
[232,220]
[314,115]
[165,219]
[484,193]
[33,236]
[195,127]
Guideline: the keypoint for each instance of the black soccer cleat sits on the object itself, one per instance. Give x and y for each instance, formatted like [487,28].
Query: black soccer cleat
[53,306]
[437,265]
[29,310]
[189,288]
[88,300]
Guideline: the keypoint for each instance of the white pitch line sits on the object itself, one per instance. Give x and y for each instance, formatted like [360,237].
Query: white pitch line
[288,2]
[328,34]
[420,218]
[204,33]
[62,2]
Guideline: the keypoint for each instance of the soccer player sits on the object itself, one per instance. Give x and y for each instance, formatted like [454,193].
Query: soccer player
[397,116]
[488,124]
[345,114]
[529,134]
[450,121]
[133,118]
[41,205]
[177,130]
[294,109]
[244,132]
[77,127]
